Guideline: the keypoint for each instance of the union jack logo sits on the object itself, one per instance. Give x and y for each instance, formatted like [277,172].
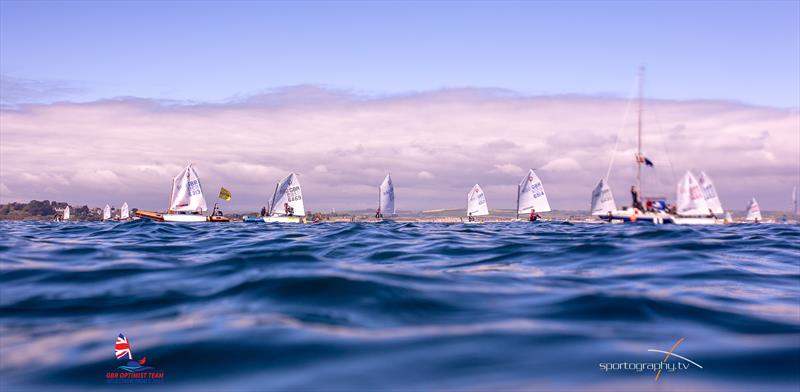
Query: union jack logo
[122,348]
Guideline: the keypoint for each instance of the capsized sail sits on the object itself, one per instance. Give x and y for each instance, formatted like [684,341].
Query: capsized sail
[602,199]
[67,213]
[107,212]
[476,202]
[710,193]
[124,211]
[288,194]
[386,201]
[753,211]
[187,194]
[690,197]
[531,194]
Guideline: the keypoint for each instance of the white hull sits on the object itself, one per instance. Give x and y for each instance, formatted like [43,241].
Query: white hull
[628,215]
[184,218]
[682,220]
[283,219]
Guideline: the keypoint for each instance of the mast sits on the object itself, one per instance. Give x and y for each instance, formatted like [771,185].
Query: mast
[639,134]
[517,211]
[272,203]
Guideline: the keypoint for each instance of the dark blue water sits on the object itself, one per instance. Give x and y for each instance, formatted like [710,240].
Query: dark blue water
[400,306]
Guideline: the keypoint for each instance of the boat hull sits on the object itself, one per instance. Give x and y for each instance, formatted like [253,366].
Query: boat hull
[629,216]
[283,219]
[183,218]
[684,220]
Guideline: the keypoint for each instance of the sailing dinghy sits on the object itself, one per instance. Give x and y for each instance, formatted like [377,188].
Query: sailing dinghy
[386,207]
[476,204]
[124,212]
[186,202]
[710,194]
[531,198]
[753,212]
[286,205]
[692,203]
[602,199]
[67,213]
[107,212]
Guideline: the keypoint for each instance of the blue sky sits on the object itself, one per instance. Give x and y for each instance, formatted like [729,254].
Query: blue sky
[208,51]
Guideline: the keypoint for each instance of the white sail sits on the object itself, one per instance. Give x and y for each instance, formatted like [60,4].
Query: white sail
[602,199]
[187,194]
[753,211]
[795,209]
[710,193]
[531,195]
[124,212]
[476,202]
[386,198]
[690,197]
[288,193]
[107,212]
[67,213]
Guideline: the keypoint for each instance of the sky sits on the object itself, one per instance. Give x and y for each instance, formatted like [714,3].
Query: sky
[105,102]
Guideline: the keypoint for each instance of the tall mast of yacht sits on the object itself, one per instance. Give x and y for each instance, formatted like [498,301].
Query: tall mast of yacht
[639,127]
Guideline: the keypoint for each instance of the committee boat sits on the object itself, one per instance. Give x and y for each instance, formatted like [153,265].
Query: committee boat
[531,198]
[642,209]
[286,205]
[186,201]
[476,204]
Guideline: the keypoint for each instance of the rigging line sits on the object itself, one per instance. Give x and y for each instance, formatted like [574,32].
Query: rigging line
[664,145]
[622,126]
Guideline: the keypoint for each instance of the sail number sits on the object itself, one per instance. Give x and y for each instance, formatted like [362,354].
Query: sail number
[194,187]
[294,194]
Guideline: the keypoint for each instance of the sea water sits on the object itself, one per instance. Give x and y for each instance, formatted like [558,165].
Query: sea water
[401,306]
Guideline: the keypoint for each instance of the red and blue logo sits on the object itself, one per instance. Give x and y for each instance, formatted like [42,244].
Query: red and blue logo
[133,371]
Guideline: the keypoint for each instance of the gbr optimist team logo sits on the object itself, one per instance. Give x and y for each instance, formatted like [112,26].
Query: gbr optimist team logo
[130,370]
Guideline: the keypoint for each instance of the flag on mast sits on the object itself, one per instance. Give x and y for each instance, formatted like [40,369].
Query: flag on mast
[224,194]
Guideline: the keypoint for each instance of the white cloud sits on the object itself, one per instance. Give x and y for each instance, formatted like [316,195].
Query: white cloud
[562,164]
[342,146]
[508,168]
[425,175]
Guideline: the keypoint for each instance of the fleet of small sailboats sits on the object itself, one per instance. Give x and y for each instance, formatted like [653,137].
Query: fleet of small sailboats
[697,200]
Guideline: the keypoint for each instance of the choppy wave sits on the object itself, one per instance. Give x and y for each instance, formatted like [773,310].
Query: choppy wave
[400,306]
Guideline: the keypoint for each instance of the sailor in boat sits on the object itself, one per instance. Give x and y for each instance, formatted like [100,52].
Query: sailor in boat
[288,209]
[635,196]
[534,216]
[263,211]
[378,214]
[470,218]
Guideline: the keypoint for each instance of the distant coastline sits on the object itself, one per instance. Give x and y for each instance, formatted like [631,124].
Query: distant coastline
[47,210]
